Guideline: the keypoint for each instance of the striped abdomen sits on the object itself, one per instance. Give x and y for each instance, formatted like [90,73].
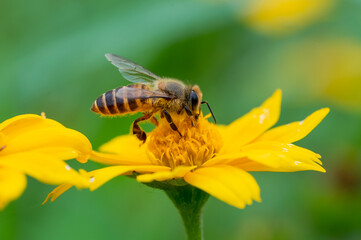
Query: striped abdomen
[129,99]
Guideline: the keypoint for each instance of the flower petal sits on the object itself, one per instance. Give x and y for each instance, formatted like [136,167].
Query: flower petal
[26,122]
[124,158]
[235,159]
[100,176]
[178,172]
[2,141]
[124,150]
[129,143]
[278,157]
[224,159]
[253,124]
[59,141]
[59,190]
[44,167]
[231,185]
[270,156]
[12,185]
[295,131]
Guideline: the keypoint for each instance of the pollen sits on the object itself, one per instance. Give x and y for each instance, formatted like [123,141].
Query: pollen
[200,141]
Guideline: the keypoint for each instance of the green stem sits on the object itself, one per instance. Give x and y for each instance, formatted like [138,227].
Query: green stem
[189,201]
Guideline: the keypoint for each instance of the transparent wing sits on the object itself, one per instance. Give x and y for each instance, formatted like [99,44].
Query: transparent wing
[132,71]
[136,93]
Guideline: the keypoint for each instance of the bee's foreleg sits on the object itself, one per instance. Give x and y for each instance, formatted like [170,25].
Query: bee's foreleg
[137,131]
[170,121]
[188,111]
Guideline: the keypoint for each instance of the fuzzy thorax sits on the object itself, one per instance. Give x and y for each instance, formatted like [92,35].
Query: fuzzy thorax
[198,143]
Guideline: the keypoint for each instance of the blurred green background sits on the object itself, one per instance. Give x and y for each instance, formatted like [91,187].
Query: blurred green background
[238,52]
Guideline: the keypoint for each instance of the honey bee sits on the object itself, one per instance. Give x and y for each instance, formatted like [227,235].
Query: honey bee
[149,94]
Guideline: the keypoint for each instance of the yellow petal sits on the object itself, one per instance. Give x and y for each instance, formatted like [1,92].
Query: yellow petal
[270,156]
[222,129]
[295,131]
[278,157]
[12,185]
[124,150]
[120,144]
[100,176]
[178,172]
[279,17]
[59,190]
[26,122]
[44,167]
[224,159]
[235,159]
[2,141]
[231,185]
[62,142]
[253,124]
[124,158]
[33,132]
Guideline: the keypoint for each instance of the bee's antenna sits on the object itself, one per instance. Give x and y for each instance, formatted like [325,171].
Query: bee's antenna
[214,118]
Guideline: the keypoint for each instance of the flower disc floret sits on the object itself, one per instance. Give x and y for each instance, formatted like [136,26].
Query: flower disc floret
[200,142]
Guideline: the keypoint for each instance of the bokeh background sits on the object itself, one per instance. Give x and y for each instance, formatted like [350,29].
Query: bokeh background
[239,52]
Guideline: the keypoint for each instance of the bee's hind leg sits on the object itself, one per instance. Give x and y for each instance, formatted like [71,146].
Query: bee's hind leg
[137,131]
[170,121]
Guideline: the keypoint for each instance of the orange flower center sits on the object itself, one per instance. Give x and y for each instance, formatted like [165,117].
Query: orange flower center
[200,142]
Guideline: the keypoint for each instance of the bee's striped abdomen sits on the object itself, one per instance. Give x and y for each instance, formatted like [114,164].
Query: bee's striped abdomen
[106,104]
[137,101]
[122,100]
[111,102]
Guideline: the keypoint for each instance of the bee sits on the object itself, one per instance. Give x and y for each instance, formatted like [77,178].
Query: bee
[149,94]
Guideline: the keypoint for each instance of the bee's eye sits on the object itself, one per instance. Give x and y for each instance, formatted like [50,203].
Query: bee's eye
[194,100]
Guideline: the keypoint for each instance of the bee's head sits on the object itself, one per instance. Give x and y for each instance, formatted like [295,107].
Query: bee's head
[195,99]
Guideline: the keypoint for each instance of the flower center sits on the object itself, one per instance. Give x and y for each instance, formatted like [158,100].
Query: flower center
[200,142]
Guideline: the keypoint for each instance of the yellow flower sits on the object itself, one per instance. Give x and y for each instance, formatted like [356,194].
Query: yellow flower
[333,73]
[283,16]
[35,146]
[213,158]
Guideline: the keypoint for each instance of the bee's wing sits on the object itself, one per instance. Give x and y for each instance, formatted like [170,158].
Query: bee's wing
[132,71]
[136,93]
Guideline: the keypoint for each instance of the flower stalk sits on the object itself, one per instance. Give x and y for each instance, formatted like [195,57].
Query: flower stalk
[189,201]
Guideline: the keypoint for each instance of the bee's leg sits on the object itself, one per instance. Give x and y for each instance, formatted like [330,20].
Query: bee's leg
[137,131]
[186,108]
[170,121]
[189,113]
[154,120]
